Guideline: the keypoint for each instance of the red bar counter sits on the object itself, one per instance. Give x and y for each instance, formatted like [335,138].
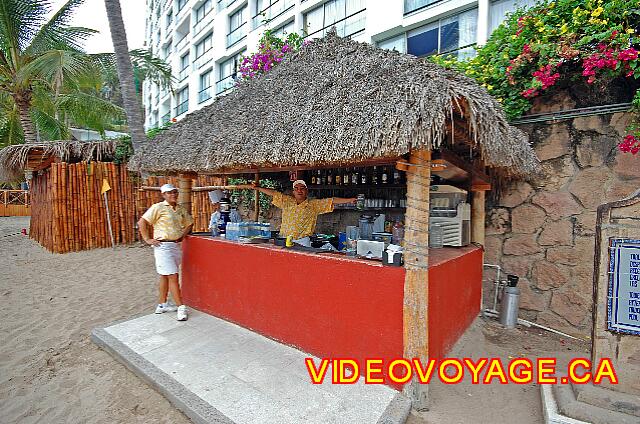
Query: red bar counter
[327,304]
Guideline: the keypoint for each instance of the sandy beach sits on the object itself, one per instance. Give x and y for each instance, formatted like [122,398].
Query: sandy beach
[50,371]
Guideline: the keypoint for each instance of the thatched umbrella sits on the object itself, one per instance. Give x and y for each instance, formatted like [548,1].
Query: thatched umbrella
[335,102]
[18,158]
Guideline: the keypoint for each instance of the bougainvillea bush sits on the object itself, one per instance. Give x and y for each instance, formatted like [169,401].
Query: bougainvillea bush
[271,51]
[555,43]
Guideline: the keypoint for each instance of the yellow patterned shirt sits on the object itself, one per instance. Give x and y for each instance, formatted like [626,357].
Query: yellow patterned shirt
[168,224]
[299,220]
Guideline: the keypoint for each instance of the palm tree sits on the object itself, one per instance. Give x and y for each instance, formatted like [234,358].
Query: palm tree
[38,55]
[48,82]
[132,105]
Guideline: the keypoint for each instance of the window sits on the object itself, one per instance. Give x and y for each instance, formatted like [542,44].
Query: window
[203,10]
[284,30]
[346,15]
[184,67]
[236,26]
[397,43]
[205,86]
[456,34]
[413,5]
[181,4]
[228,73]
[182,100]
[166,50]
[204,46]
[169,18]
[267,10]
[184,62]
[500,8]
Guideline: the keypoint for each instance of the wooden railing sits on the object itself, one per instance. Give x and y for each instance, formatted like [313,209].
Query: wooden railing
[15,203]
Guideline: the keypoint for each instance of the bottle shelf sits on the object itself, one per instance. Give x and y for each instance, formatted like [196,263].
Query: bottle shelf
[382,208]
[354,186]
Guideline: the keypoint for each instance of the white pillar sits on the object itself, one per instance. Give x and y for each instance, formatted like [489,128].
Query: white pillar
[483,21]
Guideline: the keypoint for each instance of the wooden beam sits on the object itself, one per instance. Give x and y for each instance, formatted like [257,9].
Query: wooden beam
[184,191]
[477,217]
[256,198]
[197,189]
[416,283]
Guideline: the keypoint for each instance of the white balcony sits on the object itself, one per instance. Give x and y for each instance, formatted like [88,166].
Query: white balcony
[273,11]
[204,22]
[223,4]
[237,34]
[184,41]
[225,84]
[204,95]
[203,60]
[183,74]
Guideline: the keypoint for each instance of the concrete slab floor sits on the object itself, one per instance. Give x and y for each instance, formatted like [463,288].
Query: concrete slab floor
[215,371]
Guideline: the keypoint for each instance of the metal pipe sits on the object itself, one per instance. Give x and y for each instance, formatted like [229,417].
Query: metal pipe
[572,113]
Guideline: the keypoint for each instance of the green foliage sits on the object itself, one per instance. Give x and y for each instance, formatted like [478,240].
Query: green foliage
[124,150]
[246,198]
[555,42]
[45,72]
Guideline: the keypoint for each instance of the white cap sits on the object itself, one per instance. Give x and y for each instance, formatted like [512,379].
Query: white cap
[215,196]
[296,182]
[167,187]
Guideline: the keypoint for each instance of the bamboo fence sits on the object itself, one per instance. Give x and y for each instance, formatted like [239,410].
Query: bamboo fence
[201,207]
[68,211]
[14,203]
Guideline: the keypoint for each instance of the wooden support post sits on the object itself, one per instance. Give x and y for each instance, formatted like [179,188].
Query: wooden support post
[477,217]
[184,191]
[256,205]
[416,283]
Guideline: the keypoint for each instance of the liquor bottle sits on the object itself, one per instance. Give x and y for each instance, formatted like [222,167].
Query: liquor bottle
[396,176]
[355,176]
[385,175]
[313,178]
[318,178]
[324,177]
[338,177]
[374,177]
[330,177]
[346,178]
[363,176]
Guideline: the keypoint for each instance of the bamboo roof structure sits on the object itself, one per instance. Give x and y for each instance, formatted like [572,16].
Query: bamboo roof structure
[336,102]
[17,158]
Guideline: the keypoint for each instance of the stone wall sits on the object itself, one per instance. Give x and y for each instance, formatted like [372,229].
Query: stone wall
[543,230]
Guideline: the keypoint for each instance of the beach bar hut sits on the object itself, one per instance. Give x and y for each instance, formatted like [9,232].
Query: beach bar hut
[340,103]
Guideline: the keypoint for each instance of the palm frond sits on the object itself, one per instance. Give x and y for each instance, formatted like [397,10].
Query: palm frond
[57,67]
[149,67]
[56,33]
[20,20]
[49,127]
[88,111]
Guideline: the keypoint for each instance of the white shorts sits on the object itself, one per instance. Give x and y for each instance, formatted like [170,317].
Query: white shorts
[168,257]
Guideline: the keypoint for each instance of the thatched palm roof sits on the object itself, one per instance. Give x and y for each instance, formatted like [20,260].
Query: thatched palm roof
[15,159]
[338,101]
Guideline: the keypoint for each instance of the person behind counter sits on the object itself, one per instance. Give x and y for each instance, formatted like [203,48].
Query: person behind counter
[171,223]
[300,214]
[215,196]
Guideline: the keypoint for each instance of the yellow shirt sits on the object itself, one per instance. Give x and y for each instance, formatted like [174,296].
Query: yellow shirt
[299,220]
[168,224]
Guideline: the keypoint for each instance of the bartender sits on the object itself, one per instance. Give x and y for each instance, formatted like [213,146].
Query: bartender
[215,197]
[299,214]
